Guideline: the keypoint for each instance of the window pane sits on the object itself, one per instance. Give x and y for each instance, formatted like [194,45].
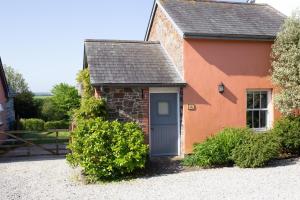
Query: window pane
[163,108]
[250,100]
[256,99]
[264,99]
[249,119]
[255,119]
[263,119]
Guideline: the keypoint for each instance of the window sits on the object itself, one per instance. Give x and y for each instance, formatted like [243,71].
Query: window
[258,109]
[163,108]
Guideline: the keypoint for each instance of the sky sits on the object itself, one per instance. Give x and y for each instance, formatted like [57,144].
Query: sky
[285,6]
[43,39]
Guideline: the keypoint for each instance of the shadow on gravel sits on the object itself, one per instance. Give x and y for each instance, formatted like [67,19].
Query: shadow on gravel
[158,166]
[283,162]
[164,165]
[31,158]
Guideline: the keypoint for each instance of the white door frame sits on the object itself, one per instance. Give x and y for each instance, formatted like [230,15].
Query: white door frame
[156,90]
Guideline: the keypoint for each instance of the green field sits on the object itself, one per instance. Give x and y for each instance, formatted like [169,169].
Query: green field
[41,97]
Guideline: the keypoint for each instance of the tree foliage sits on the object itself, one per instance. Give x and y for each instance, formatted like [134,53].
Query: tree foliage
[15,80]
[286,65]
[65,98]
[83,79]
[25,106]
[50,112]
[91,108]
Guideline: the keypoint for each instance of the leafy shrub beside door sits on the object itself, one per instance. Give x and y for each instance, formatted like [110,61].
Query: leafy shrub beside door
[107,150]
[217,150]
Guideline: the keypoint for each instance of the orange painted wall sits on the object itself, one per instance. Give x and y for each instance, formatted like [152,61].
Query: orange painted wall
[240,65]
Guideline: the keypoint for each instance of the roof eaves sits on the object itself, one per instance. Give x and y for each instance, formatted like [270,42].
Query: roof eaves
[229,36]
[84,64]
[182,84]
[150,22]
[120,41]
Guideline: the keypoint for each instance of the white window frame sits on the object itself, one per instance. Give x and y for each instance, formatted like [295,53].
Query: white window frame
[269,109]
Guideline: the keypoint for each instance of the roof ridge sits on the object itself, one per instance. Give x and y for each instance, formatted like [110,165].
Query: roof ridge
[122,41]
[226,2]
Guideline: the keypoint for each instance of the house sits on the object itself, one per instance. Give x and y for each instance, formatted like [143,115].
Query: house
[6,103]
[203,66]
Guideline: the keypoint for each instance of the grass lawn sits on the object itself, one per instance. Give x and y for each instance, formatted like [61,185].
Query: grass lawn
[45,137]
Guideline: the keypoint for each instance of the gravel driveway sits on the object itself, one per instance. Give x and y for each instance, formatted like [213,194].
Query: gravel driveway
[51,179]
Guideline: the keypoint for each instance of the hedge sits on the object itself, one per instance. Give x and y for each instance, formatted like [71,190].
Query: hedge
[62,124]
[32,124]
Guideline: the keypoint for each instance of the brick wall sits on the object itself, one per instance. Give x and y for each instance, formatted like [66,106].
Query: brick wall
[164,31]
[127,104]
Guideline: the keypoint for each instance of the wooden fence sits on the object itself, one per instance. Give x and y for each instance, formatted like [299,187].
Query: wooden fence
[16,144]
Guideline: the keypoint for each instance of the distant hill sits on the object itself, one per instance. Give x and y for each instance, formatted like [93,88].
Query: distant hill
[42,94]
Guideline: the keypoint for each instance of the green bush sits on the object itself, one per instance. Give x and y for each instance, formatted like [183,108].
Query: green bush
[32,124]
[62,124]
[107,150]
[50,112]
[91,108]
[256,150]
[83,79]
[288,130]
[217,150]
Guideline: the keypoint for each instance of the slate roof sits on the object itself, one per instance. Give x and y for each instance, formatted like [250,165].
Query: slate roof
[113,62]
[211,19]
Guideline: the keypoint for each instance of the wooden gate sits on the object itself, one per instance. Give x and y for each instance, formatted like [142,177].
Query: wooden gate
[24,143]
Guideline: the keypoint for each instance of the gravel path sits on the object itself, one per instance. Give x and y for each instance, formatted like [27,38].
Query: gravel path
[52,179]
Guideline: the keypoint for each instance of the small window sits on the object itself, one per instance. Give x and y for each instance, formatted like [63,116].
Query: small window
[257,110]
[163,108]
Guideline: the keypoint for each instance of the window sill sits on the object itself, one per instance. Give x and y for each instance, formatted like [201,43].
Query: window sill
[260,130]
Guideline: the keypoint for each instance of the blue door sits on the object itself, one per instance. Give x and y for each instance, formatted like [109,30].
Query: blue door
[164,124]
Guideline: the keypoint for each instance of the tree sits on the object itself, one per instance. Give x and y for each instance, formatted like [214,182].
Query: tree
[83,79]
[65,98]
[25,107]
[15,80]
[50,111]
[286,65]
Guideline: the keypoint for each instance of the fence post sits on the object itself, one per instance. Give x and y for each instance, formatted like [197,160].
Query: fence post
[28,150]
[56,141]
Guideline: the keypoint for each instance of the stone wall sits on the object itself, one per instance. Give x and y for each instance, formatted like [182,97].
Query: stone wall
[163,30]
[127,104]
